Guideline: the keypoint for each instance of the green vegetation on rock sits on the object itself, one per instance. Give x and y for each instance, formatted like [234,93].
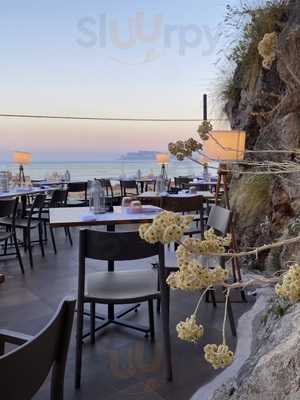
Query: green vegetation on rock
[252,196]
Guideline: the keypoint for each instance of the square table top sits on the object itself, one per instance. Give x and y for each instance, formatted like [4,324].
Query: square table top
[22,192]
[81,216]
[184,194]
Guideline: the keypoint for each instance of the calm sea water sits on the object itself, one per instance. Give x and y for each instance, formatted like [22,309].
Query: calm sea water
[105,169]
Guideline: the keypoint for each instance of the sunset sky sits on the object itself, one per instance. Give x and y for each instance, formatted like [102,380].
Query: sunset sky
[78,58]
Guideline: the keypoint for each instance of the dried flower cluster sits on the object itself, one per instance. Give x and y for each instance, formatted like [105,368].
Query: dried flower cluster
[267,49]
[194,276]
[189,330]
[166,227]
[218,356]
[212,243]
[182,149]
[204,129]
[290,286]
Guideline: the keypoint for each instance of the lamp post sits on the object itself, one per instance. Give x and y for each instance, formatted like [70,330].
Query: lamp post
[163,160]
[22,158]
[226,146]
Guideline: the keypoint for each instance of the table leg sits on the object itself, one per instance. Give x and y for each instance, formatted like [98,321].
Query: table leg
[110,268]
[24,204]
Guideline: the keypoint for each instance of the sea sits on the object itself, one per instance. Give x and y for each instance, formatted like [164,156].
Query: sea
[87,170]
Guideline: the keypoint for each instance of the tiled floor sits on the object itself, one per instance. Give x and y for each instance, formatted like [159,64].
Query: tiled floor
[122,365]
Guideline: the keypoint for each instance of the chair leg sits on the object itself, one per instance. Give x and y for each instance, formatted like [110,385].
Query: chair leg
[92,321]
[41,240]
[151,320]
[45,230]
[69,236]
[231,318]
[207,296]
[213,297]
[18,252]
[158,299]
[25,240]
[79,333]
[5,246]
[165,317]
[28,234]
[53,240]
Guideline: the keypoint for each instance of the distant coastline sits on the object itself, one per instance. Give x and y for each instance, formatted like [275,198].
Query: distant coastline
[139,155]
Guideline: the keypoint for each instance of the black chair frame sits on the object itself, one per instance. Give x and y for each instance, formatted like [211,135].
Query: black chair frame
[111,247]
[24,369]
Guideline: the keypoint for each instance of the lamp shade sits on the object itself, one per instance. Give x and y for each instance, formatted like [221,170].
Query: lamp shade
[225,145]
[162,158]
[22,157]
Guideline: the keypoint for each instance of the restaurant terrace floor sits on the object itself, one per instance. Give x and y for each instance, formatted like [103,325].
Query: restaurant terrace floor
[122,364]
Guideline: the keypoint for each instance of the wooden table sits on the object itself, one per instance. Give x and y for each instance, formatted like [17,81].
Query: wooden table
[75,216]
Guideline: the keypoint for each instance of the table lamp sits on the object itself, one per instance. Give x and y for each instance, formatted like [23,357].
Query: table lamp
[22,158]
[163,160]
[225,146]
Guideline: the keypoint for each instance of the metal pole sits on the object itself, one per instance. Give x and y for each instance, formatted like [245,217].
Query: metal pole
[205,107]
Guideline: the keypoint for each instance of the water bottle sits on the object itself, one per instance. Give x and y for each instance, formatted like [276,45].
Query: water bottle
[97,197]
[206,175]
[67,176]
[4,181]
[161,185]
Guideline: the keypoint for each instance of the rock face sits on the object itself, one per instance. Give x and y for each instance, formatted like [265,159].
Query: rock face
[272,370]
[268,109]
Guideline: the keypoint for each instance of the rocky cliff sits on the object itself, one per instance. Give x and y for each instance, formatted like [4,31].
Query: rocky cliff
[272,370]
[266,104]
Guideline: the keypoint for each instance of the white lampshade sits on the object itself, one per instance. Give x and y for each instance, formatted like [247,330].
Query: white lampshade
[225,145]
[22,157]
[162,158]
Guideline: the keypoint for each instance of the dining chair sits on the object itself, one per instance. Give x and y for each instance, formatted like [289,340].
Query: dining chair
[8,209]
[78,188]
[182,182]
[129,184]
[24,369]
[119,287]
[111,198]
[33,220]
[220,219]
[190,204]
[57,200]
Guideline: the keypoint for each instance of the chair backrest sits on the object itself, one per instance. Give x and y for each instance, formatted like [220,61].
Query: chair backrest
[106,183]
[128,184]
[151,201]
[202,186]
[36,207]
[114,246]
[24,369]
[182,182]
[182,204]
[219,219]
[8,207]
[78,187]
[58,198]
